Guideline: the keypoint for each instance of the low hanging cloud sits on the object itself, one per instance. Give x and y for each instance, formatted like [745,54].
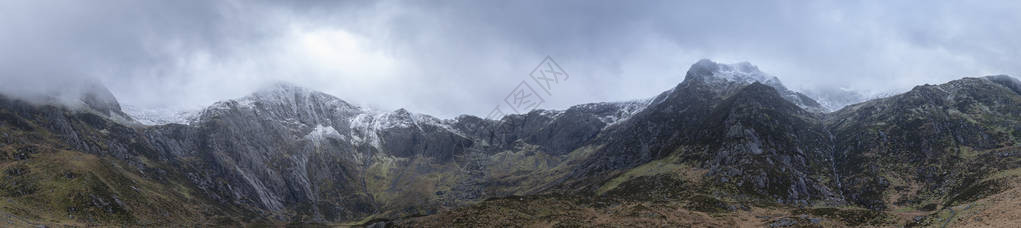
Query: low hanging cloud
[452,57]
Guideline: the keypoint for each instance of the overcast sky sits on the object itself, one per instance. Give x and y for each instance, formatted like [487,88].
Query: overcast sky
[452,57]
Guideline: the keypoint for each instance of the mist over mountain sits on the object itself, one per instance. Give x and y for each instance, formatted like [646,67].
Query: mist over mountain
[458,57]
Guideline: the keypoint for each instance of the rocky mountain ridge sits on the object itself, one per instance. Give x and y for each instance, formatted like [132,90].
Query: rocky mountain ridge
[727,134]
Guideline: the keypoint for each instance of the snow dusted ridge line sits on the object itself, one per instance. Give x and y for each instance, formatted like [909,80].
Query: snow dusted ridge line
[319,117]
[302,106]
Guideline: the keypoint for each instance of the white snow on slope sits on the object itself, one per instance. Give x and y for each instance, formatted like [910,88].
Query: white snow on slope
[160,116]
[626,111]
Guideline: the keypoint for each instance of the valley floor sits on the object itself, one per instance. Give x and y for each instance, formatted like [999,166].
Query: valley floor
[1001,209]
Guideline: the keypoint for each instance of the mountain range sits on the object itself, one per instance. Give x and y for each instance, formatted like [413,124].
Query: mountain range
[728,146]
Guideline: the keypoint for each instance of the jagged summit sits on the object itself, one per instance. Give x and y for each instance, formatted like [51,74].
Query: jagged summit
[744,73]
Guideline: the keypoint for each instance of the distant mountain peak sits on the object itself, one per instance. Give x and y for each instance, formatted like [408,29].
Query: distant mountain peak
[287,102]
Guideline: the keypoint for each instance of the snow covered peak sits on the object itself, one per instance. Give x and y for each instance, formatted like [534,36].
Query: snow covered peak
[295,99]
[743,72]
[285,102]
[284,93]
[724,75]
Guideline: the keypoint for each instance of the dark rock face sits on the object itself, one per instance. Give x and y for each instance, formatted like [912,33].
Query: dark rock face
[767,146]
[572,130]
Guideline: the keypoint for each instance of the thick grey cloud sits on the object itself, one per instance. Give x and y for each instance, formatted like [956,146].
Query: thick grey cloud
[452,57]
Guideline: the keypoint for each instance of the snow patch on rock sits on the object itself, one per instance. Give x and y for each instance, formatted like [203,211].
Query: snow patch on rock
[322,132]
